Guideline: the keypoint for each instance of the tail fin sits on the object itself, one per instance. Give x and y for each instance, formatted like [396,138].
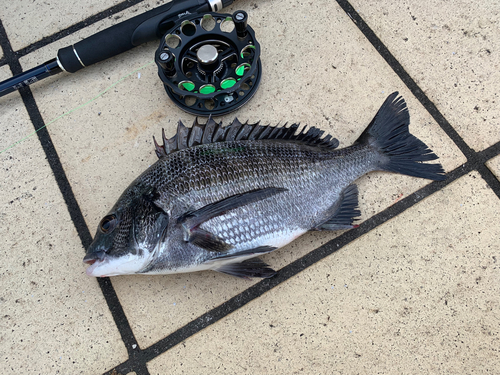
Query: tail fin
[404,153]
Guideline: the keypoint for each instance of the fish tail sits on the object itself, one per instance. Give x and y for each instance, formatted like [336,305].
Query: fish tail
[400,151]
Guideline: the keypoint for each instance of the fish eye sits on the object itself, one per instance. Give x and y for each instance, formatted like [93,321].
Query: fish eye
[108,223]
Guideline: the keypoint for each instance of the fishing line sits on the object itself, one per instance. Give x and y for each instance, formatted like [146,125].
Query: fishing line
[78,107]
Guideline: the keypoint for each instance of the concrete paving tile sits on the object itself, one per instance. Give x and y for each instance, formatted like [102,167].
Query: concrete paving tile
[53,319]
[494,166]
[107,143]
[27,21]
[450,49]
[419,294]
[5,72]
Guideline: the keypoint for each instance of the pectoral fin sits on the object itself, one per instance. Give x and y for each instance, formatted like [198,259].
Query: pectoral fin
[207,240]
[192,220]
[195,218]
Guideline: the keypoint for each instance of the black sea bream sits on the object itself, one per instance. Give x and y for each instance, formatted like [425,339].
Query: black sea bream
[218,197]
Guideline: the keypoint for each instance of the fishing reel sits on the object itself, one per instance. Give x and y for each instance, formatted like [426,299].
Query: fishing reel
[210,63]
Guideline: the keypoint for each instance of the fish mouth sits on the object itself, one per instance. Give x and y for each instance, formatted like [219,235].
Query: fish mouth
[93,265]
[92,257]
[104,265]
[94,260]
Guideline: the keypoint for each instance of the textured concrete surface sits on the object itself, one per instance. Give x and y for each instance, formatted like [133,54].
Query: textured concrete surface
[418,304]
[450,49]
[417,294]
[29,21]
[53,320]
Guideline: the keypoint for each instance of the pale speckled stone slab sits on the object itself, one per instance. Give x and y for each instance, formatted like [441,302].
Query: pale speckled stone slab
[450,49]
[106,144]
[415,295]
[54,319]
[27,22]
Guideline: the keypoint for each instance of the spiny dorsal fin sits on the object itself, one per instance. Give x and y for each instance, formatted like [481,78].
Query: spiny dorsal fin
[213,132]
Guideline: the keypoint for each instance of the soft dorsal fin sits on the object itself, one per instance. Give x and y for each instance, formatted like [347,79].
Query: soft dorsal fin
[212,132]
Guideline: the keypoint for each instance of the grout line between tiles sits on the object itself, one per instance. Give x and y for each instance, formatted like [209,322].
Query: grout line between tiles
[296,267]
[406,78]
[78,220]
[122,324]
[138,358]
[68,195]
[490,179]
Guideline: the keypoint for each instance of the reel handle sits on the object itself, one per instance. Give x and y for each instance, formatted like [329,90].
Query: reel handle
[128,34]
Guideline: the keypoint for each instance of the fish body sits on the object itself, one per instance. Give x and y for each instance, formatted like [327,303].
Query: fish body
[218,197]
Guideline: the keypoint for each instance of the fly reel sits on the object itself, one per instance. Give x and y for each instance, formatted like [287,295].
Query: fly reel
[210,64]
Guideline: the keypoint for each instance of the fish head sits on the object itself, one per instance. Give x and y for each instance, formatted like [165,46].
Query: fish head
[128,236]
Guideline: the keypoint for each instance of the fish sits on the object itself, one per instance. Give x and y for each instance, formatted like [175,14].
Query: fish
[218,197]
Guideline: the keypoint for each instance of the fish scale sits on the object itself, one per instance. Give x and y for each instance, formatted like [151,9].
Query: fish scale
[246,190]
[253,166]
[250,173]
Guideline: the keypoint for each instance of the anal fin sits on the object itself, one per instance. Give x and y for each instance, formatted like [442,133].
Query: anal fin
[346,212]
[249,268]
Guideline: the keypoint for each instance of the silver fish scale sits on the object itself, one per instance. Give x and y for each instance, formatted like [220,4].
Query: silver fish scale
[192,178]
[231,168]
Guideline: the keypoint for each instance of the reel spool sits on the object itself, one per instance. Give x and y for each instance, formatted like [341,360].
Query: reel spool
[210,63]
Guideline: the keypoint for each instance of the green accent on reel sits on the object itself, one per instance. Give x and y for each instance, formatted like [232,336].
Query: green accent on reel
[244,49]
[186,85]
[207,89]
[240,70]
[227,83]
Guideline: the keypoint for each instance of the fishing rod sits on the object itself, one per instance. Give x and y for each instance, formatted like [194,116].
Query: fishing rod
[113,41]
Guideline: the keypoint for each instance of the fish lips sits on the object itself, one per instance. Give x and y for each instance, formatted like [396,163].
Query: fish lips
[94,259]
[103,264]
[90,258]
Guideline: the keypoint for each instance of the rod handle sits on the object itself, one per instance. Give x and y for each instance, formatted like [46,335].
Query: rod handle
[126,35]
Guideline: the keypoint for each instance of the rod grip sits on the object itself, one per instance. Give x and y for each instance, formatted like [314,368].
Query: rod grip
[125,35]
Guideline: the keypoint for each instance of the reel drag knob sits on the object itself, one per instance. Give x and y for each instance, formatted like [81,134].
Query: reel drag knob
[208,57]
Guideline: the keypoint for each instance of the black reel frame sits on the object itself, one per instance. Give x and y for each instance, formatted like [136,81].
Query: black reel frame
[210,63]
